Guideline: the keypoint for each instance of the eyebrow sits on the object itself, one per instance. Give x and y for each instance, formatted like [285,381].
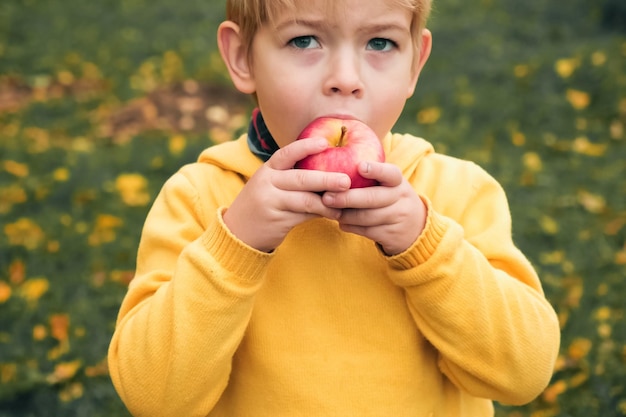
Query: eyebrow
[312,23]
[321,24]
[381,27]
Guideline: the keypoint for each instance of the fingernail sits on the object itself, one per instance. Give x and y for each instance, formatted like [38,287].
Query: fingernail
[344,183]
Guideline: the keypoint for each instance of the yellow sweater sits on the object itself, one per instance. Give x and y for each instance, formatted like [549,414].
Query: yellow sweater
[327,325]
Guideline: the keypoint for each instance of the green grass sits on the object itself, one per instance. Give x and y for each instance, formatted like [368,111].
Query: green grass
[532,91]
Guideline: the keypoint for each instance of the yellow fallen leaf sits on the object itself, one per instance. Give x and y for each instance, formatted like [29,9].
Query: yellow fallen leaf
[64,371]
[91,71]
[65,77]
[605,330]
[593,203]
[39,332]
[565,67]
[574,294]
[602,313]
[61,349]
[71,392]
[551,393]
[61,174]
[172,68]
[620,256]
[546,412]
[552,258]
[429,115]
[532,161]
[560,363]
[38,139]
[16,168]
[521,70]
[8,371]
[518,139]
[583,146]
[80,331]
[549,225]
[5,292]
[563,317]
[53,246]
[99,369]
[11,195]
[177,144]
[32,289]
[578,99]
[579,348]
[108,221]
[122,276]
[82,144]
[24,232]
[614,226]
[598,58]
[616,129]
[104,230]
[578,379]
[59,326]
[133,189]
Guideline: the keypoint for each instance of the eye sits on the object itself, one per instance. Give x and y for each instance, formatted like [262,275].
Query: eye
[381,44]
[304,42]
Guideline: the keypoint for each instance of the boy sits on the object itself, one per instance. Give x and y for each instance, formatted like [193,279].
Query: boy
[262,290]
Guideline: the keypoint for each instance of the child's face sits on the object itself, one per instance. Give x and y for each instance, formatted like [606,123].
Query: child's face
[353,59]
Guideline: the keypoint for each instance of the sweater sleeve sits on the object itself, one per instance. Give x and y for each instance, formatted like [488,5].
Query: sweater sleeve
[186,309]
[476,298]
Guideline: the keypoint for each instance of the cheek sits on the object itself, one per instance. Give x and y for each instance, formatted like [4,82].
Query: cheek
[387,110]
[279,102]
[282,114]
[282,88]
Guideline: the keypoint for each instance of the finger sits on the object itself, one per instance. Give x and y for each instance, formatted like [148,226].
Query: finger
[361,198]
[285,158]
[366,217]
[309,204]
[386,174]
[313,181]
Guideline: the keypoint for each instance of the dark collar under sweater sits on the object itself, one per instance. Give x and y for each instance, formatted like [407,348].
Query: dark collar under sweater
[260,140]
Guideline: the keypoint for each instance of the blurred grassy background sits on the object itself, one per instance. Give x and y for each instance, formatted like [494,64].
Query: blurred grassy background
[101,101]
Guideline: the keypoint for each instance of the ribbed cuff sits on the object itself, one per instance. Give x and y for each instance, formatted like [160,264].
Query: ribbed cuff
[425,245]
[234,255]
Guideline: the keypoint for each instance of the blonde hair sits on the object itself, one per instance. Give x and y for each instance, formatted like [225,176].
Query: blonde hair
[252,14]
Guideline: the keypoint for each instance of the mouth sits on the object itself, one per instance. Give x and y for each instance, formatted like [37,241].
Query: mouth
[340,116]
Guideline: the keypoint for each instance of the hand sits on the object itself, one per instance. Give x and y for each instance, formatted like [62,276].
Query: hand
[391,214]
[278,198]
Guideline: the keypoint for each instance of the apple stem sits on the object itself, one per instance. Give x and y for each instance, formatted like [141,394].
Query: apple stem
[344,130]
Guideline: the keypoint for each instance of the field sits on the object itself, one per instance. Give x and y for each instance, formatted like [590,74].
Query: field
[100,102]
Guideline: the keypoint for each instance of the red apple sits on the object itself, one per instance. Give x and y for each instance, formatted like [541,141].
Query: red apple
[351,141]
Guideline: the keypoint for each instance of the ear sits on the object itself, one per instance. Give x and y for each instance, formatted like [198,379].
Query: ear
[235,56]
[426,42]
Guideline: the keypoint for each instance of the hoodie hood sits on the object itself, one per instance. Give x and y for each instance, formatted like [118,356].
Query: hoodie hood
[232,156]
[404,151]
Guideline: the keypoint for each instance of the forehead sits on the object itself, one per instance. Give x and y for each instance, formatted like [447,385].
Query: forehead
[276,9]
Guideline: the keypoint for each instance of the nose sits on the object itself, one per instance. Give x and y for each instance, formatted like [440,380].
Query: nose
[344,75]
